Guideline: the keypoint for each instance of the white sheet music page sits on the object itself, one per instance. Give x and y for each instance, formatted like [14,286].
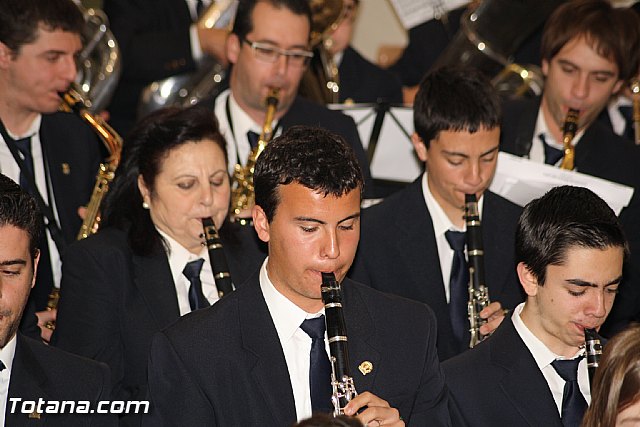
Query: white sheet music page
[522,180]
[415,12]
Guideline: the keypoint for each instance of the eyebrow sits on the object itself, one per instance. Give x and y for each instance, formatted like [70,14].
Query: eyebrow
[309,219]
[455,153]
[584,283]
[605,72]
[294,47]
[11,262]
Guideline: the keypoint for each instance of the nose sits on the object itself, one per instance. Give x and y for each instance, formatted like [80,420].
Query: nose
[473,175]
[598,304]
[281,65]
[330,247]
[206,195]
[68,69]
[580,86]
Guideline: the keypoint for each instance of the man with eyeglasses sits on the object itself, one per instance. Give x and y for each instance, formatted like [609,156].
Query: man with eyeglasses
[269,48]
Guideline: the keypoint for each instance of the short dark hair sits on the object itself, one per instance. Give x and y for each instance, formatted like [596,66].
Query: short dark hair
[612,32]
[455,99]
[19,209]
[243,24]
[20,20]
[143,153]
[565,217]
[313,157]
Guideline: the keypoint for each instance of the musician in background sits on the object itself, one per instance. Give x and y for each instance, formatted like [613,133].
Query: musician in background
[259,357]
[30,370]
[360,80]
[412,243]
[269,48]
[615,393]
[157,39]
[589,50]
[570,249]
[60,155]
[147,265]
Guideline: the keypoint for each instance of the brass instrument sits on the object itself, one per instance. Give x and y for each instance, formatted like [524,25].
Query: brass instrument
[72,101]
[243,196]
[478,292]
[217,258]
[342,386]
[593,348]
[635,99]
[568,133]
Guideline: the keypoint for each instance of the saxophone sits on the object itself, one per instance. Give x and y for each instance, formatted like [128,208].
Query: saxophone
[594,351]
[478,292]
[568,133]
[72,101]
[243,196]
[343,389]
[217,258]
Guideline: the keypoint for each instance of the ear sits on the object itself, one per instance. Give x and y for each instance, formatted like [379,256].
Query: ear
[617,86]
[35,267]
[260,223]
[419,146]
[545,67]
[232,48]
[144,191]
[5,56]
[527,279]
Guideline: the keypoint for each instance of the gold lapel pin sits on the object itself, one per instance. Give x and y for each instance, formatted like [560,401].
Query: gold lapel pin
[66,169]
[366,367]
[35,415]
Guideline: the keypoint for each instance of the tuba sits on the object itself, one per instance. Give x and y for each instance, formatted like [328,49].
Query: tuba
[568,133]
[478,292]
[188,89]
[99,62]
[482,44]
[242,195]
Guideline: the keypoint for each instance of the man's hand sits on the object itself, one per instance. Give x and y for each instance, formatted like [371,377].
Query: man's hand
[495,314]
[46,320]
[377,412]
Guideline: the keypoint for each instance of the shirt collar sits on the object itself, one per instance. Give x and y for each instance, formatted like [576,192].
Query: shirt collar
[32,130]
[543,128]
[178,255]
[8,352]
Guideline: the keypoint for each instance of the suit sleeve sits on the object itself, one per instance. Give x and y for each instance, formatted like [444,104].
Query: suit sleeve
[87,322]
[176,400]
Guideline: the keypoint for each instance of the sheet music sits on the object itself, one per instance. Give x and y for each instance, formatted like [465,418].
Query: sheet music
[415,12]
[522,180]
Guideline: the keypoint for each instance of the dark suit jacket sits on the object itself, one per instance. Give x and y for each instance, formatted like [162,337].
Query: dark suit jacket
[398,254]
[498,383]
[223,366]
[113,302]
[153,36]
[364,82]
[603,154]
[43,372]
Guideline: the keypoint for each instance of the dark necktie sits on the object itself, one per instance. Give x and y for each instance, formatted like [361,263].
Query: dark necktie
[627,113]
[196,297]
[24,146]
[458,285]
[551,154]
[253,138]
[199,7]
[320,367]
[2,366]
[573,403]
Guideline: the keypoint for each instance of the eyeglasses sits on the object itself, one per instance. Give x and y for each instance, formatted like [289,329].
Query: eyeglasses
[269,53]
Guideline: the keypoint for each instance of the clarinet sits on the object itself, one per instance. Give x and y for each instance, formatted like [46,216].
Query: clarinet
[478,292]
[593,350]
[217,258]
[343,389]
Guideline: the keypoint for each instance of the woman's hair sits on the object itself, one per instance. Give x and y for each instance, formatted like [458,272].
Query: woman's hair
[616,385]
[143,154]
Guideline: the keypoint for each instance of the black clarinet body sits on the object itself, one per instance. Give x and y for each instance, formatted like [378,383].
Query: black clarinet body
[593,348]
[343,389]
[478,292]
[217,258]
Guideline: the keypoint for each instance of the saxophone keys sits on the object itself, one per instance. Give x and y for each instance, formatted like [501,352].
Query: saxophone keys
[366,367]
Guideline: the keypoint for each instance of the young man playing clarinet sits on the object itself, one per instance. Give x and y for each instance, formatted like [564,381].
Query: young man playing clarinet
[570,250]
[413,243]
[259,356]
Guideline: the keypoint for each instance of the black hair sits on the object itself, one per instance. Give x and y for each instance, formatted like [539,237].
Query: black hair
[313,157]
[19,209]
[455,99]
[565,217]
[243,23]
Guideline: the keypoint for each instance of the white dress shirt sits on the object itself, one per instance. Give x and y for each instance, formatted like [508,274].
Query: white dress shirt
[618,123]
[543,357]
[442,224]
[6,355]
[537,147]
[10,168]
[296,344]
[178,259]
